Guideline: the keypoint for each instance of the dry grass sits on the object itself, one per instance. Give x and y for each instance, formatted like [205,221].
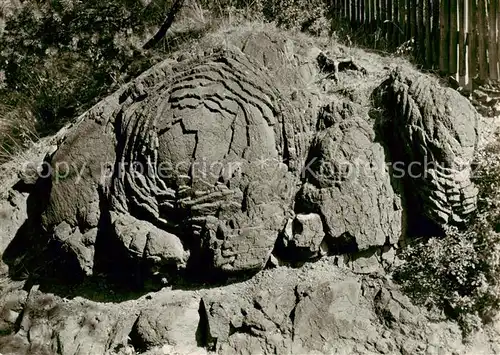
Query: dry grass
[17,131]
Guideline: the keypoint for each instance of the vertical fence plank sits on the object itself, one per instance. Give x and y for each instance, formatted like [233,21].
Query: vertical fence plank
[472,41]
[436,43]
[352,10]
[402,21]
[364,20]
[358,12]
[389,25]
[383,17]
[373,24]
[377,14]
[373,15]
[498,34]
[452,70]
[420,30]
[361,11]
[492,45]
[366,5]
[481,21]
[427,33]
[408,20]
[461,43]
[444,34]
[395,25]
[413,20]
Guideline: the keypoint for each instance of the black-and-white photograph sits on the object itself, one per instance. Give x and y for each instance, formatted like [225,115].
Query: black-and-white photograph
[249,177]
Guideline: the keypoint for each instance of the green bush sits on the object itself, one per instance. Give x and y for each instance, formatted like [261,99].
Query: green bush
[459,273]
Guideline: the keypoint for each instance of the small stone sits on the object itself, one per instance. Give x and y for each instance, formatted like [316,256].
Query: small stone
[381,346]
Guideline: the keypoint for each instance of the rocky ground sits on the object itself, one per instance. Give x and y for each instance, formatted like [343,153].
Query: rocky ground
[326,300]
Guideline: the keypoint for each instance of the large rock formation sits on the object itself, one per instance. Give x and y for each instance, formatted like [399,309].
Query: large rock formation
[348,184]
[221,162]
[436,129]
[211,162]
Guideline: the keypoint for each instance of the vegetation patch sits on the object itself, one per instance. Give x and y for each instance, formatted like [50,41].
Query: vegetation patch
[459,273]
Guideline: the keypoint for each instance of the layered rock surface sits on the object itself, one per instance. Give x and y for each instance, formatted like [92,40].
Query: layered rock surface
[230,160]
[318,309]
[437,130]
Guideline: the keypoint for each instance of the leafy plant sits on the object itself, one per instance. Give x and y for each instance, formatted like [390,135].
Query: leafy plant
[460,272]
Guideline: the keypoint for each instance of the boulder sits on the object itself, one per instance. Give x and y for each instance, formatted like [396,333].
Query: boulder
[432,131]
[348,183]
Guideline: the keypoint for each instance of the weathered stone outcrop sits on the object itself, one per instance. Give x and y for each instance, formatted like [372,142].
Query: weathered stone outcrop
[318,309]
[348,183]
[227,162]
[185,168]
[436,129]
[245,156]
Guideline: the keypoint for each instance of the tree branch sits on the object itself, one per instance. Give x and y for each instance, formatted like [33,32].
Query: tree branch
[174,10]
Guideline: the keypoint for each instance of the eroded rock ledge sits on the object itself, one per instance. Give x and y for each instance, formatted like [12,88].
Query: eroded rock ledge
[317,309]
[259,154]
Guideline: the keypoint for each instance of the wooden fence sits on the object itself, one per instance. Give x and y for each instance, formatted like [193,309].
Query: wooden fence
[458,37]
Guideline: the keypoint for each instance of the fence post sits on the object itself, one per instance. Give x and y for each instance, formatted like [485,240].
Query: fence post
[452,70]
[461,43]
[492,45]
[481,21]
[444,15]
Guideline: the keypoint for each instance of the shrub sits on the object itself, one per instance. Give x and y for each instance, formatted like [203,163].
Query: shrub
[459,273]
[306,15]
